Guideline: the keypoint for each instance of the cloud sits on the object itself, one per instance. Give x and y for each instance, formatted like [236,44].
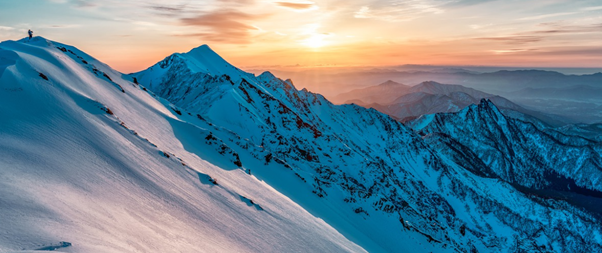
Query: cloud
[477,27]
[513,39]
[298,6]
[511,51]
[585,51]
[557,28]
[230,26]
[6,28]
[574,51]
[396,11]
[461,3]
[77,3]
[551,15]
[174,10]
[62,26]
[592,8]
[167,9]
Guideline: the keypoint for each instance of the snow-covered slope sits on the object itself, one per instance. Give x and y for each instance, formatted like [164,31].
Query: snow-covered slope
[372,178]
[91,162]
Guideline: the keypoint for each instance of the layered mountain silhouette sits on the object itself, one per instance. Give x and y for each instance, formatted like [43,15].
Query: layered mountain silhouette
[432,97]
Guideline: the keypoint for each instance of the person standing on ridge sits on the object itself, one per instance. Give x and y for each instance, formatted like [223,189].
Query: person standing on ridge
[30,34]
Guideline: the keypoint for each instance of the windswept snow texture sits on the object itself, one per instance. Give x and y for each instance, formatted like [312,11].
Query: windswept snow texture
[90,162]
[373,179]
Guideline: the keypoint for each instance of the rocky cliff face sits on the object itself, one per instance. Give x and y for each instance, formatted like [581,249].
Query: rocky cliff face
[518,151]
[467,182]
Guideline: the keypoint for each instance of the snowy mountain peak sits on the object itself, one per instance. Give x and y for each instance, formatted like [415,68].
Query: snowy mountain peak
[485,109]
[486,103]
[267,75]
[488,106]
[270,81]
[203,49]
[203,59]
[199,63]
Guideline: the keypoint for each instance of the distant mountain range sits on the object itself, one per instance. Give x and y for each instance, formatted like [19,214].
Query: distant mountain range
[504,80]
[432,97]
[576,92]
[383,93]
[334,81]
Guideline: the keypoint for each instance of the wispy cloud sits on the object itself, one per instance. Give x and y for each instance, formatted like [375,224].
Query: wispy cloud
[67,26]
[230,26]
[511,51]
[556,28]
[578,50]
[592,8]
[477,27]
[551,15]
[168,10]
[304,6]
[460,3]
[513,39]
[395,11]
[78,3]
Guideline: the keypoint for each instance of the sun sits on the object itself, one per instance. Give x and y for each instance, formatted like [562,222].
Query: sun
[315,41]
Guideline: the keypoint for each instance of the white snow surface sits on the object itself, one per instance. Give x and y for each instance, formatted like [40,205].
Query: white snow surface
[71,172]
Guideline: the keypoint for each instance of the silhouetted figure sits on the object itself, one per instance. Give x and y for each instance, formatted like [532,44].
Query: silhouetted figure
[30,34]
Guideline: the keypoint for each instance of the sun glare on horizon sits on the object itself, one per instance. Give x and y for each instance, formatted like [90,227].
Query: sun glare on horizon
[315,41]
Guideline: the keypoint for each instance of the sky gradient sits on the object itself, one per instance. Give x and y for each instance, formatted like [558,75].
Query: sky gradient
[132,35]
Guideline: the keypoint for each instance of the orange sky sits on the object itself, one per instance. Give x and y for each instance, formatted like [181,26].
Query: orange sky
[132,35]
